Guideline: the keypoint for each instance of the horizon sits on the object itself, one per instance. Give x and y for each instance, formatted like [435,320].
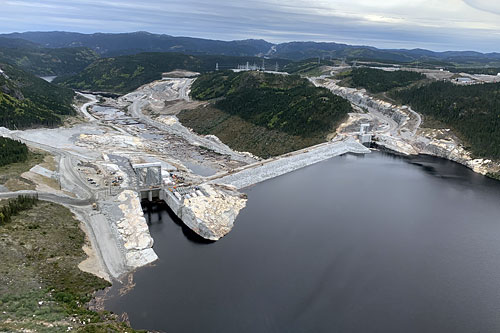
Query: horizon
[235,40]
[458,25]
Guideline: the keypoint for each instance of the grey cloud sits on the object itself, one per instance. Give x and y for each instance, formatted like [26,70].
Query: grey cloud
[488,6]
[237,19]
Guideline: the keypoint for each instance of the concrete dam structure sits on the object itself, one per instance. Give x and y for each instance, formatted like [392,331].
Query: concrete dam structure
[211,207]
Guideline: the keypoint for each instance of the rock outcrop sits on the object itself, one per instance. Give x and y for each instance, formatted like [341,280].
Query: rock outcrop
[408,137]
[212,215]
[134,231]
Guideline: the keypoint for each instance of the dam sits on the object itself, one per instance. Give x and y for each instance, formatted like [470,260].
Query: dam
[211,207]
[356,236]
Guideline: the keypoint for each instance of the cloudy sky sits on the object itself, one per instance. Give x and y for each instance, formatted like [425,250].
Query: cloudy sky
[431,24]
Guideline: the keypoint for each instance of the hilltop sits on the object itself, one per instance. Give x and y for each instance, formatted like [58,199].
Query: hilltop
[126,73]
[264,114]
[37,60]
[377,81]
[473,112]
[27,101]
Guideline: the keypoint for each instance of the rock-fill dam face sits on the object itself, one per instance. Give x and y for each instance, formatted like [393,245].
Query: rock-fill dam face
[210,209]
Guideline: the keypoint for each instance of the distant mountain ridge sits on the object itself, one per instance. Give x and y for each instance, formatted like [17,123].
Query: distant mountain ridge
[39,60]
[137,42]
[108,44]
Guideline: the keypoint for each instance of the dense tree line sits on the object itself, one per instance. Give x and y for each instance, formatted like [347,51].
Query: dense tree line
[473,111]
[377,80]
[288,104]
[15,206]
[12,151]
[44,61]
[126,73]
[481,70]
[304,66]
[27,101]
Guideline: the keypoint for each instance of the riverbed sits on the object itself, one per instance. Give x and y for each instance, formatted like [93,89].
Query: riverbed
[374,243]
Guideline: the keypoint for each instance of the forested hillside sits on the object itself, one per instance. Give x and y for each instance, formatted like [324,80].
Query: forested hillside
[127,73]
[310,67]
[43,61]
[27,101]
[472,111]
[107,44]
[377,80]
[287,112]
[12,151]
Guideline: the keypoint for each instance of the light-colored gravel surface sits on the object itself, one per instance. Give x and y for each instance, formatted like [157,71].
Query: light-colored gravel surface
[279,166]
[168,90]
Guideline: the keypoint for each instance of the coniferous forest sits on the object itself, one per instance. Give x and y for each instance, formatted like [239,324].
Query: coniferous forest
[264,114]
[288,104]
[377,80]
[472,111]
[12,151]
[27,101]
[14,206]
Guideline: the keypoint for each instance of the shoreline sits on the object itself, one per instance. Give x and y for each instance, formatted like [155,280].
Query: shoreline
[438,148]
[388,150]
[403,131]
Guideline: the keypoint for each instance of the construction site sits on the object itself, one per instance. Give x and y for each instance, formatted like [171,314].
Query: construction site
[126,150]
[131,149]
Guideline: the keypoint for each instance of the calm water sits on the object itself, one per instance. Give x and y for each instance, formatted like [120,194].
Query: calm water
[354,244]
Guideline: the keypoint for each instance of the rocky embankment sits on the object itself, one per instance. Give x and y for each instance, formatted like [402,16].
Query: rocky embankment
[275,167]
[122,232]
[405,135]
[440,143]
[134,231]
[211,215]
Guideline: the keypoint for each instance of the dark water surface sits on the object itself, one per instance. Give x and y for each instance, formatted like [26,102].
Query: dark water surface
[354,244]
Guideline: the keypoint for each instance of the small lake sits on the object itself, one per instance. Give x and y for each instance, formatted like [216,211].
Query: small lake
[377,243]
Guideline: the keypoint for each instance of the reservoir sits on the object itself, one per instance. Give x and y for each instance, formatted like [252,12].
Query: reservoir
[374,243]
